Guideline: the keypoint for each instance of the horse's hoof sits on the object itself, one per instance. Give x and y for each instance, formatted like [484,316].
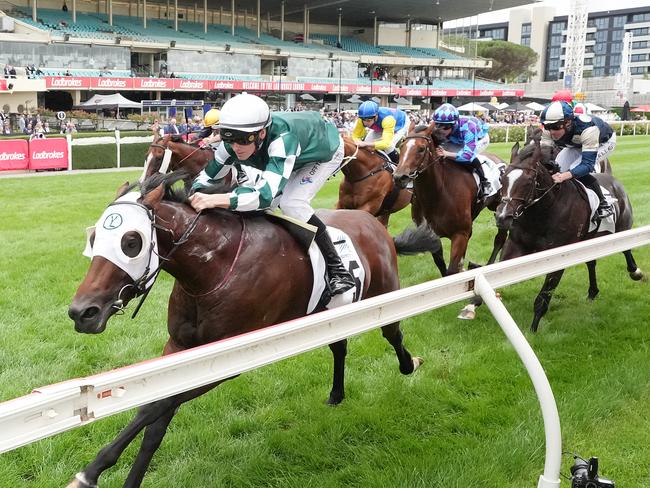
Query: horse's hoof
[80,481]
[417,362]
[335,399]
[592,295]
[638,275]
[468,312]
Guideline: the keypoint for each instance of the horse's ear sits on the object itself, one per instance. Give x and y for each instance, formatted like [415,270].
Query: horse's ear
[122,190]
[515,150]
[537,153]
[153,198]
[431,128]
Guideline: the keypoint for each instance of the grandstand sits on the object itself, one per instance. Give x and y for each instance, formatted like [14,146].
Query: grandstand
[340,57]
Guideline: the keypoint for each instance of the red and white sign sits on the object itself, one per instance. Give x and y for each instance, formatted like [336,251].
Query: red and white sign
[48,153]
[14,154]
[181,84]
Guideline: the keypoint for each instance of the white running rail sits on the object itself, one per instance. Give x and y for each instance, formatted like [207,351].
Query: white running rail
[64,406]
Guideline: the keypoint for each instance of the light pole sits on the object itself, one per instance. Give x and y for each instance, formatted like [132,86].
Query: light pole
[338,100]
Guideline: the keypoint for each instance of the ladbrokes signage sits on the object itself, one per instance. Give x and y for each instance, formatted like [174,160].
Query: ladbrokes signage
[14,155]
[48,153]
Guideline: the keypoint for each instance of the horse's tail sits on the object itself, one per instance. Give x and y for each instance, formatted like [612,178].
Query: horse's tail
[417,240]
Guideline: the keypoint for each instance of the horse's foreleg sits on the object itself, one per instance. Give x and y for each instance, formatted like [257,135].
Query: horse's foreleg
[499,241]
[635,272]
[593,284]
[339,351]
[407,363]
[544,297]
[458,250]
[147,415]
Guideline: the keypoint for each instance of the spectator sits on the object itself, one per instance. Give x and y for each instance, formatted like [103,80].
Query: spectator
[28,129]
[65,7]
[6,128]
[172,128]
[157,130]
[46,127]
[67,73]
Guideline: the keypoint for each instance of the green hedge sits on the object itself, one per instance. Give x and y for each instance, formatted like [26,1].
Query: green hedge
[516,134]
[105,155]
[85,135]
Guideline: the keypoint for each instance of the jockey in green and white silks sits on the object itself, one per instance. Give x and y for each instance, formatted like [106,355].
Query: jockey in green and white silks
[288,157]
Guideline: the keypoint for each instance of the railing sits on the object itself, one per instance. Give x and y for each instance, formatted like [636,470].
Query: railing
[64,406]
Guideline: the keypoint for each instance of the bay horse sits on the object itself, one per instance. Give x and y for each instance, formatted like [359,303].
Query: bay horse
[445,192]
[190,158]
[368,184]
[236,290]
[540,214]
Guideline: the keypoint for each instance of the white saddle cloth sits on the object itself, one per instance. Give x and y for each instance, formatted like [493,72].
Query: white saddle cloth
[352,263]
[607,224]
[492,172]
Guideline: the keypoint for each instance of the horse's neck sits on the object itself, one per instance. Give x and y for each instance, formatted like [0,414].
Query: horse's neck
[361,165]
[202,262]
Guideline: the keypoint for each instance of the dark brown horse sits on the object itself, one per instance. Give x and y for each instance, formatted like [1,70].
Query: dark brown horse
[190,158]
[445,192]
[540,215]
[368,184]
[238,289]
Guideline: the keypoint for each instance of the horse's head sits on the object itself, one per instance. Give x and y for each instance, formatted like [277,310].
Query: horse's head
[123,246]
[417,153]
[171,153]
[526,180]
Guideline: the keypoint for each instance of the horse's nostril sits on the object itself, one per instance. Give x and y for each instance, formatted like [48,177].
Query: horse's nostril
[89,313]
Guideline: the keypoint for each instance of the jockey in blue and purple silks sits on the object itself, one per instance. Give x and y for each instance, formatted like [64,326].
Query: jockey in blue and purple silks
[468,132]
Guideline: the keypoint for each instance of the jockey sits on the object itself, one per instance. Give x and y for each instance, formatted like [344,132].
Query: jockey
[387,127]
[585,139]
[210,131]
[294,153]
[469,132]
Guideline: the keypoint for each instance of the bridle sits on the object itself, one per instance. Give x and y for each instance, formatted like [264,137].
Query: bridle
[427,156]
[530,199]
[167,155]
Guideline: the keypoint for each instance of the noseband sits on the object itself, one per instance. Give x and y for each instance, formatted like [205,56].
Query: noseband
[164,167]
[428,155]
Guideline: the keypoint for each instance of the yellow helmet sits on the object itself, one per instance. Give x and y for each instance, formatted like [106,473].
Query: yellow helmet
[211,118]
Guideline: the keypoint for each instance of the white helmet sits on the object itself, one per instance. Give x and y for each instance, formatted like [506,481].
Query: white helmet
[555,112]
[245,113]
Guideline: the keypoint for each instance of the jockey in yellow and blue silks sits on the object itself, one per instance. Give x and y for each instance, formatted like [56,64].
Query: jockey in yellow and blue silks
[387,127]
[585,139]
[470,133]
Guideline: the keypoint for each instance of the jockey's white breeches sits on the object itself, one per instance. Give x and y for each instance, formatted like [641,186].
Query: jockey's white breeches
[303,184]
[397,137]
[570,157]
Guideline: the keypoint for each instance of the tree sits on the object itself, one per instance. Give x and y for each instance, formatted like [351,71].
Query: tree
[509,60]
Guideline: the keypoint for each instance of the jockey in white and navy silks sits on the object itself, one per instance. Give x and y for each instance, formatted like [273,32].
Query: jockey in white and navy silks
[586,141]
[386,128]
[290,155]
[470,133]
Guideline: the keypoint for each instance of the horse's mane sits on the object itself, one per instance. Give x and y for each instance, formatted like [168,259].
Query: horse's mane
[546,159]
[172,194]
[437,137]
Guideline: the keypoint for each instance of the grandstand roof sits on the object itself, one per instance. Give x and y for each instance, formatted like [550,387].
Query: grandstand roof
[362,12]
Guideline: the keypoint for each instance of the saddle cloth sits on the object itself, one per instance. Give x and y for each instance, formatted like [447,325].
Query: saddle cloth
[492,172]
[352,263]
[607,224]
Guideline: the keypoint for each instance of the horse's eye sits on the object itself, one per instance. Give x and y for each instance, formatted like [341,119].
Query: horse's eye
[131,244]
[421,149]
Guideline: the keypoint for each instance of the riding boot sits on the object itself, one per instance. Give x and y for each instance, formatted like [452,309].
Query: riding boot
[340,280]
[604,209]
[394,156]
[484,185]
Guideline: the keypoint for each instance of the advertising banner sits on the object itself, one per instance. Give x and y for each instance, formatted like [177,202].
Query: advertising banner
[48,153]
[14,154]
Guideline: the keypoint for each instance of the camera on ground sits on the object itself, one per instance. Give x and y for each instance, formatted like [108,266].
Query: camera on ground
[584,474]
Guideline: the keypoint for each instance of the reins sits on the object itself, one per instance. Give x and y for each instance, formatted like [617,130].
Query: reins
[419,169]
[529,200]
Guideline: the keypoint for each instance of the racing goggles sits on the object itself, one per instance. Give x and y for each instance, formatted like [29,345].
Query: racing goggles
[444,126]
[554,125]
[233,136]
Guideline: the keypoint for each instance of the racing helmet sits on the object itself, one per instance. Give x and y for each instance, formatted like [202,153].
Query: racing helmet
[242,117]
[580,109]
[555,112]
[368,109]
[446,114]
[211,118]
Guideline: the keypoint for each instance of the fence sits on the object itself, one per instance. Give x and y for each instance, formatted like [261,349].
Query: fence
[64,406]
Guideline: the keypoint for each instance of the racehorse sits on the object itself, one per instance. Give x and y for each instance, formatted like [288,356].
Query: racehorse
[368,184]
[445,192]
[189,158]
[539,215]
[227,268]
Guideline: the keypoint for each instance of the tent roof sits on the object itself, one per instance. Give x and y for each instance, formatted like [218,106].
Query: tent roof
[115,100]
[472,107]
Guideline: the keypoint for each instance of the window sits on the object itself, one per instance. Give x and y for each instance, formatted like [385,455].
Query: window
[638,70]
[554,52]
[599,71]
[601,36]
[643,31]
[588,61]
[525,41]
[554,64]
[638,57]
[601,23]
[589,49]
[618,35]
[556,40]
[619,21]
[499,34]
[557,27]
[526,29]
[600,48]
[591,23]
[641,17]
[639,44]
[616,47]
[599,61]
[615,60]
